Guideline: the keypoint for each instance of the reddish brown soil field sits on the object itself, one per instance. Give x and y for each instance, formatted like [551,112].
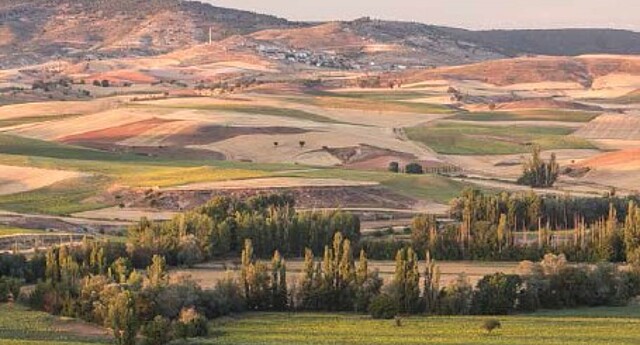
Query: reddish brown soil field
[625,159]
[115,134]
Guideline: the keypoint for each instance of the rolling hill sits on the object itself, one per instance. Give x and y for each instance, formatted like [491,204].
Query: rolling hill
[36,31]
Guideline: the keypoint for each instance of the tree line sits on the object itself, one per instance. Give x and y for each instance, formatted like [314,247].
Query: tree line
[83,282]
[220,227]
[127,288]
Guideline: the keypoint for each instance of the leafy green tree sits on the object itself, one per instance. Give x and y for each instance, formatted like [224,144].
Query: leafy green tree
[157,331]
[157,272]
[537,173]
[496,294]
[431,285]
[280,296]
[406,282]
[383,307]
[123,319]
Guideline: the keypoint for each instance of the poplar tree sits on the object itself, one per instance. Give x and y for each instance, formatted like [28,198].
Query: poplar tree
[406,283]
[431,285]
[157,272]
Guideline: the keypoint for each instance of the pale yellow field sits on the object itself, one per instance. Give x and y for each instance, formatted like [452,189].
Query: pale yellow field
[22,179]
[272,182]
[207,275]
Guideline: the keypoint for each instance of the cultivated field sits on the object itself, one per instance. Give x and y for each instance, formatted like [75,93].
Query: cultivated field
[207,275]
[590,326]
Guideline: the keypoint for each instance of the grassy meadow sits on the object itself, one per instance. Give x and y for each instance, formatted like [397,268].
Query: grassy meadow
[104,169]
[10,230]
[608,326]
[473,139]
[588,326]
[20,326]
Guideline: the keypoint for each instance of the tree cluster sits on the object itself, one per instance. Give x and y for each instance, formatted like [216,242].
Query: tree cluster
[220,227]
[539,173]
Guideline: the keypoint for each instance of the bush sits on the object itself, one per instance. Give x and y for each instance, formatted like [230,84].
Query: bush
[9,289]
[496,294]
[157,331]
[490,324]
[383,307]
[191,324]
[394,167]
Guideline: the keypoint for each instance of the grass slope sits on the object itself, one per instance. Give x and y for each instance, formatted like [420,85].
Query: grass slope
[106,168]
[597,326]
[474,139]
[424,187]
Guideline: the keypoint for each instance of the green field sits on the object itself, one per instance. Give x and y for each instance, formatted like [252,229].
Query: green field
[105,169]
[382,103]
[9,230]
[607,326]
[529,115]
[19,326]
[589,326]
[473,139]
[425,187]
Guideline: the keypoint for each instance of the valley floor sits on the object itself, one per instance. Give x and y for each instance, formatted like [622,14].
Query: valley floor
[582,326]
[611,326]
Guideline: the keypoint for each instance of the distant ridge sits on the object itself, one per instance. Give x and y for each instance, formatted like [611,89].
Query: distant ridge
[36,31]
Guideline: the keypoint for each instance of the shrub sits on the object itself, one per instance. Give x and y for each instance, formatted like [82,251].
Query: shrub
[394,167]
[383,307]
[190,324]
[490,324]
[9,289]
[157,331]
[496,294]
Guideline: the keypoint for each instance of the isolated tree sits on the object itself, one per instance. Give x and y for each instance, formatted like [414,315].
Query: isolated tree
[302,143]
[538,173]
[394,167]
